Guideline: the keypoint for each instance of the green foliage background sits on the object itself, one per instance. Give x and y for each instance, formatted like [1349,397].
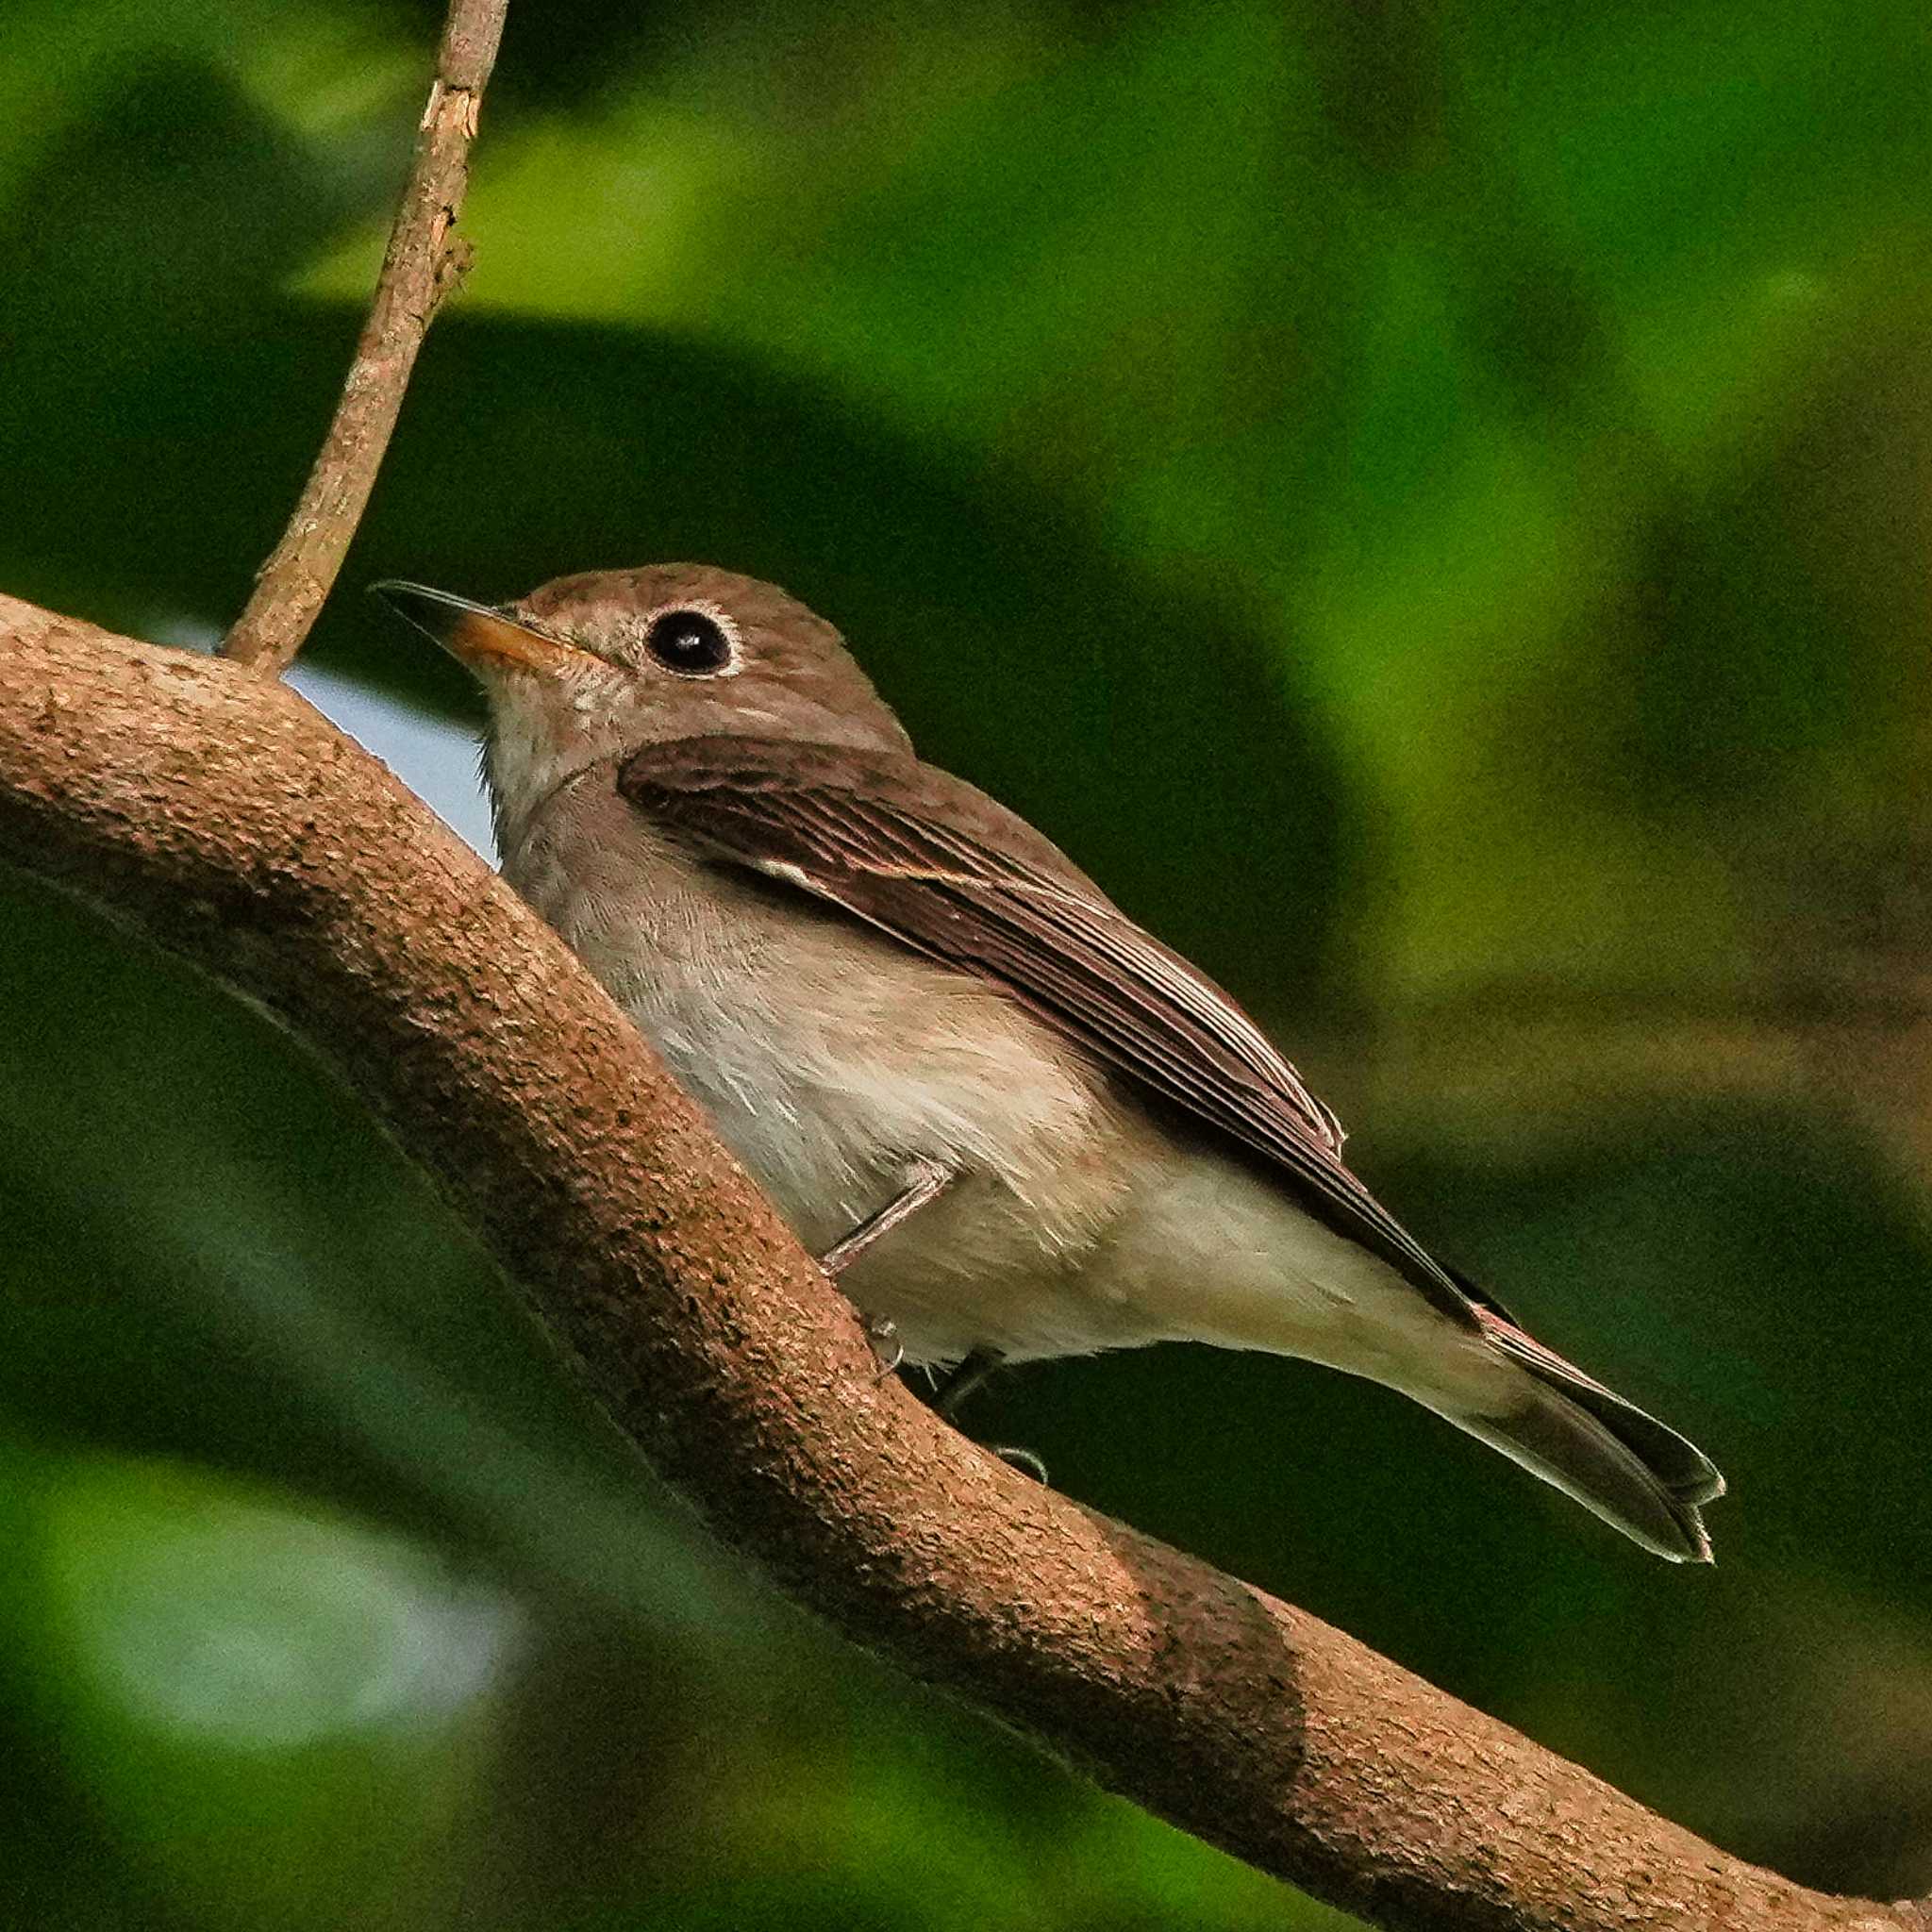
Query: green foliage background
[1428,503]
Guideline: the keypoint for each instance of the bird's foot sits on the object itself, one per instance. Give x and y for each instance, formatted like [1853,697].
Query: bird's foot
[1022,1459]
[962,1378]
[888,1350]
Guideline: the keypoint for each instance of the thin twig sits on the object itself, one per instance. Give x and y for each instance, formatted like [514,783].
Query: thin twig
[421,266]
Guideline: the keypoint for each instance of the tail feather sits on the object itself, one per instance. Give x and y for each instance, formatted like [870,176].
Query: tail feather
[1613,1459]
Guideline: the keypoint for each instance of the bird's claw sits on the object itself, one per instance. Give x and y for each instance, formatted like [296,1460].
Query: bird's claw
[1022,1459]
[887,1348]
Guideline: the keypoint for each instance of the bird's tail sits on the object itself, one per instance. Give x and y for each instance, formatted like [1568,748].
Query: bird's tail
[1623,1465]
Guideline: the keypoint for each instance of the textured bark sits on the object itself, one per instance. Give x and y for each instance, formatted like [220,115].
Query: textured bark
[218,813]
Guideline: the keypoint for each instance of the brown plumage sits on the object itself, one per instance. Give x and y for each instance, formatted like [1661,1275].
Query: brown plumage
[866,968]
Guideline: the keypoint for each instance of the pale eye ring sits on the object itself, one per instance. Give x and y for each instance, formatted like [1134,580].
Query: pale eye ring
[691,641]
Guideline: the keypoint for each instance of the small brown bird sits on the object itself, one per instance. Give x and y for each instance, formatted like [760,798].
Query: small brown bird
[1012,1123]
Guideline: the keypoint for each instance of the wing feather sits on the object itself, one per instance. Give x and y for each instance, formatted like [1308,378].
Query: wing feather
[946,870]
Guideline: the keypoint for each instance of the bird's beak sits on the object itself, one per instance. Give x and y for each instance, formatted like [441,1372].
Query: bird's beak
[481,636]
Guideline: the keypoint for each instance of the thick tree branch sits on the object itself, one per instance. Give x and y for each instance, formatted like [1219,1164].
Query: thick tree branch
[419,269]
[219,814]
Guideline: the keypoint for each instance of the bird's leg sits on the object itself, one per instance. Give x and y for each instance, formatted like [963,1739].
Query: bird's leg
[959,1382]
[928,1181]
[962,1378]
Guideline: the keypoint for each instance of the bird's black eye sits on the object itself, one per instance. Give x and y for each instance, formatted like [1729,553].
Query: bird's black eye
[691,642]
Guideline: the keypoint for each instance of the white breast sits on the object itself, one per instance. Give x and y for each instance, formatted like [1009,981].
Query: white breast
[830,1058]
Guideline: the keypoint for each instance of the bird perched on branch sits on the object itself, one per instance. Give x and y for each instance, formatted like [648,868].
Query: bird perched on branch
[1011,1123]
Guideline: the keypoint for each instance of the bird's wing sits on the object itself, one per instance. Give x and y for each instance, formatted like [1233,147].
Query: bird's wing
[951,873]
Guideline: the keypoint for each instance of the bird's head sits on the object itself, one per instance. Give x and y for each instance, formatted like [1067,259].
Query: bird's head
[590,667]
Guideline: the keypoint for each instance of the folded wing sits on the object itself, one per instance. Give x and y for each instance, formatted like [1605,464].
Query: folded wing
[951,873]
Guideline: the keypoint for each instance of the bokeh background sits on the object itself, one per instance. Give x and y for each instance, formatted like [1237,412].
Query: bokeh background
[1430,502]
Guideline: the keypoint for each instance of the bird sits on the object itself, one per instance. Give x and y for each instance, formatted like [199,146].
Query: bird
[1010,1121]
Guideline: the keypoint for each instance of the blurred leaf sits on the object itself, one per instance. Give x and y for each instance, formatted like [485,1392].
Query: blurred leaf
[254,1695]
